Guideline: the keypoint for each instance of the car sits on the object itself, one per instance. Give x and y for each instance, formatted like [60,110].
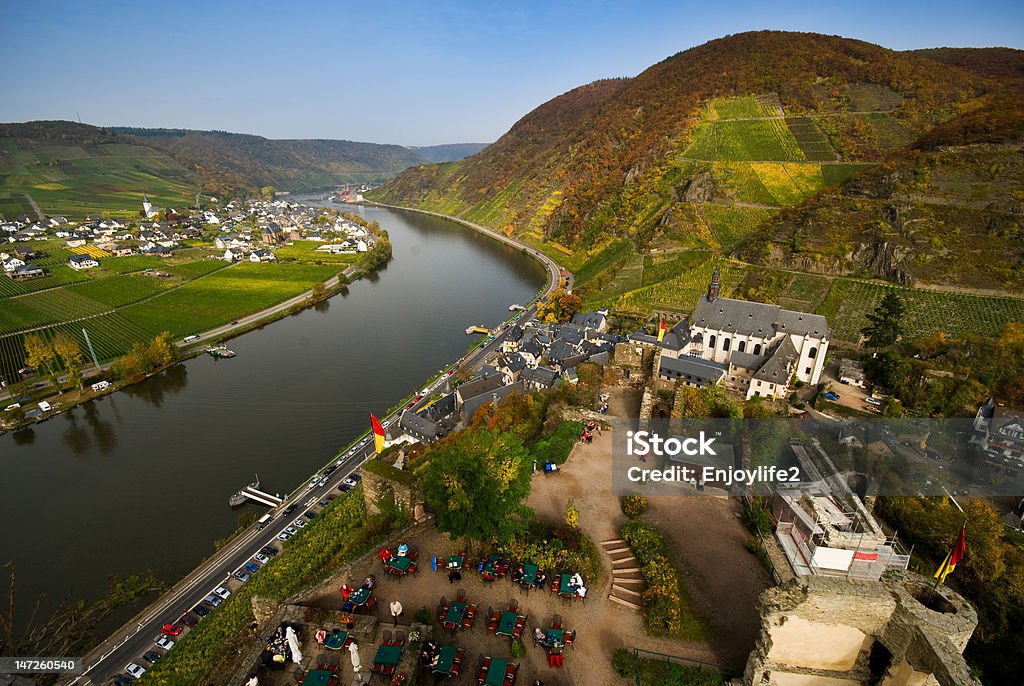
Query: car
[409,406]
[299,523]
[324,503]
[284,535]
[123,680]
[312,484]
[135,670]
[188,620]
[213,600]
[241,575]
[269,550]
[261,558]
[449,372]
[163,642]
[151,656]
[870,400]
[234,322]
[12,406]
[291,530]
[252,567]
[309,514]
[170,629]
[201,611]
[222,592]
[831,396]
[418,398]
[331,497]
[322,481]
[291,508]
[345,487]
[190,339]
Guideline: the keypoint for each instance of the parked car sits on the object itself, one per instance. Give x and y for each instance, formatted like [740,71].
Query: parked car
[213,600]
[163,642]
[261,558]
[241,575]
[135,670]
[331,497]
[330,469]
[299,523]
[201,611]
[123,680]
[151,656]
[269,550]
[170,629]
[252,567]
[832,396]
[309,514]
[345,486]
[291,508]
[222,592]
[188,620]
[284,535]
[870,400]
[324,503]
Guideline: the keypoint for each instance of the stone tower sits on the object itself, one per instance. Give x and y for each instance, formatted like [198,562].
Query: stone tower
[713,286]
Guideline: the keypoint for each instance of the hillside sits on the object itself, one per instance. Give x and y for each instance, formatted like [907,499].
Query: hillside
[450,152]
[731,146]
[246,161]
[74,169]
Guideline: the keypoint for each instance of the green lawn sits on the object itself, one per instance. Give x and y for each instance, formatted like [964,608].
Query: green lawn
[305,251]
[765,139]
[732,224]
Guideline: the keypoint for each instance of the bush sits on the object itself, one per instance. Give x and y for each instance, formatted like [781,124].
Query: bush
[634,505]
[624,663]
[518,649]
[662,601]
[424,615]
[758,518]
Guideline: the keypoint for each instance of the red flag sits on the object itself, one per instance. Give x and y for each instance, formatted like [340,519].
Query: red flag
[955,555]
[661,330]
[378,434]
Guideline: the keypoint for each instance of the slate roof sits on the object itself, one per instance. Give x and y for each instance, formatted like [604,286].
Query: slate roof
[418,426]
[778,368]
[746,360]
[756,319]
[540,376]
[590,320]
[474,388]
[473,404]
[687,365]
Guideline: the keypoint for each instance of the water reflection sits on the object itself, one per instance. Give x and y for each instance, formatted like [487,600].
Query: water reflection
[25,436]
[102,430]
[153,390]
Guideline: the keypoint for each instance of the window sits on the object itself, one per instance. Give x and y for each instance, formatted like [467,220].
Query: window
[743,346]
[712,343]
[807,371]
[725,344]
[757,348]
[812,353]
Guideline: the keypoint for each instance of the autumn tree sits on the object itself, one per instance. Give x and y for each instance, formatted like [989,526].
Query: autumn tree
[560,307]
[70,354]
[40,356]
[162,351]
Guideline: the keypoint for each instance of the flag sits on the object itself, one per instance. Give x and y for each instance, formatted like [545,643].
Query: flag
[955,555]
[661,330]
[378,434]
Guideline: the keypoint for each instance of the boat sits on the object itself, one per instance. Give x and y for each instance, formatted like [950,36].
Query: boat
[513,308]
[476,329]
[237,499]
[220,351]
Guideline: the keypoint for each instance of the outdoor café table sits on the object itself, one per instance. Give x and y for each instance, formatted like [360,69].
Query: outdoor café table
[563,586]
[400,564]
[317,677]
[388,655]
[490,569]
[529,575]
[359,596]
[507,624]
[553,636]
[496,672]
[456,611]
[454,562]
[336,640]
[446,660]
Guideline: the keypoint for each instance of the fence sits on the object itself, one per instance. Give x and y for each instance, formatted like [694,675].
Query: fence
[641,654]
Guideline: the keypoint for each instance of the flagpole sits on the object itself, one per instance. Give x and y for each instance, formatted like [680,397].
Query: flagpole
[945,562]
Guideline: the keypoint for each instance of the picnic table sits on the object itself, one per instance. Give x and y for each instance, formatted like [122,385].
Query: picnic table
[554,637]
[318,677]
[529,575]
[495,675]
[506,624]
[454,562]
[399,564]
[336,641]
[360,596]
[388,655]
[564,588]
[446,660]
[456,611]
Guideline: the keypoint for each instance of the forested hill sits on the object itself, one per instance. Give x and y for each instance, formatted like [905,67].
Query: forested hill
[247,161]
[716,147]
[449,152]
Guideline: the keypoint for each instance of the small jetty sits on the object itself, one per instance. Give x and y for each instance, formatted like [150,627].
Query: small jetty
[477,329]
[219,352]
[513,308]
[253,492]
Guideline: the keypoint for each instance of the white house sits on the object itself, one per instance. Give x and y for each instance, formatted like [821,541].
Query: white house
[12,263]
[82,262]
[261,256]
[232,255]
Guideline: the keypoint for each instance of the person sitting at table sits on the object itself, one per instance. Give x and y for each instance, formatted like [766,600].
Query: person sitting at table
[385,555]
[403,550]
[541,579]
[517,574]
[346,591]
[320,636]
[538,635]
[454,575]
[370,582]
[581,592]
[576,580]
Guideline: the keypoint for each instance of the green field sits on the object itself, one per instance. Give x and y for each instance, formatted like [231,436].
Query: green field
[811,140]
[732,224]
[679,294]
[305,251]
[77,180]
[927,312]
[224,296]
[753,140]
[740,108]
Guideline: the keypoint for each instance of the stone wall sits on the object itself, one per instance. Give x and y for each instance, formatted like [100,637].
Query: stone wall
[376,487]
[827,630]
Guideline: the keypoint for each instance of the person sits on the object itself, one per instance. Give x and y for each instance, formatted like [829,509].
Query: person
[396,609]
[385,555]
[370,582]
[403,550]
[541,579]
[454,575]
[581,592]
[320,636]
[517,575]
[576,579]
[346,591]
[538,635]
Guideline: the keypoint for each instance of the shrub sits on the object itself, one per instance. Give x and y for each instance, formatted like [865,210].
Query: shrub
[423,616]
[634,505]
[758,518]
[518,649]
[662,601]
[624,663]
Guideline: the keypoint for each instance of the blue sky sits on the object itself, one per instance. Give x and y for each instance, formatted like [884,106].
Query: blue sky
[413,73]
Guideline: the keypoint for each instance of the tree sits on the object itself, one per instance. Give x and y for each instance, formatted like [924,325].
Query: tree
[476,482]
[70,354]
[886,322]
[572,515]
[267,193]
[560,307]
[40,356]
[162,350]
[318,292]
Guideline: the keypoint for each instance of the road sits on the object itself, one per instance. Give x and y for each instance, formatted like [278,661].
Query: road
[137,636]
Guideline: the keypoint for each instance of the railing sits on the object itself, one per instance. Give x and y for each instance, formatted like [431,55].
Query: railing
[640,653]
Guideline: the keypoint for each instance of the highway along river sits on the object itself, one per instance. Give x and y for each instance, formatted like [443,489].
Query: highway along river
[140,479]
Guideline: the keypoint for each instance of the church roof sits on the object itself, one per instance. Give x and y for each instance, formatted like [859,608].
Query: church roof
[756,319]
[778,368]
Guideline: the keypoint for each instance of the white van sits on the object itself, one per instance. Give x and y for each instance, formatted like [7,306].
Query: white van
[264,520]
[101,386]
[45,406]
[190,339]
[873,401]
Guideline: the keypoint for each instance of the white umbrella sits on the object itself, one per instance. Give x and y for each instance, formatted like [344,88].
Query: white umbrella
[353,651]
[293,643]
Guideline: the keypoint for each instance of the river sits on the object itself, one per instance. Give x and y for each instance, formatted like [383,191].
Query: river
[140,479]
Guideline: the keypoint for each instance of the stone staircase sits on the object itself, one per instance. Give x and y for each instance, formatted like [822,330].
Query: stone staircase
[627,583]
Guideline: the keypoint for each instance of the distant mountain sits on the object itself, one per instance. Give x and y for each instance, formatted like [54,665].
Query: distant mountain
[242,160]
[448,153]
[738,146]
